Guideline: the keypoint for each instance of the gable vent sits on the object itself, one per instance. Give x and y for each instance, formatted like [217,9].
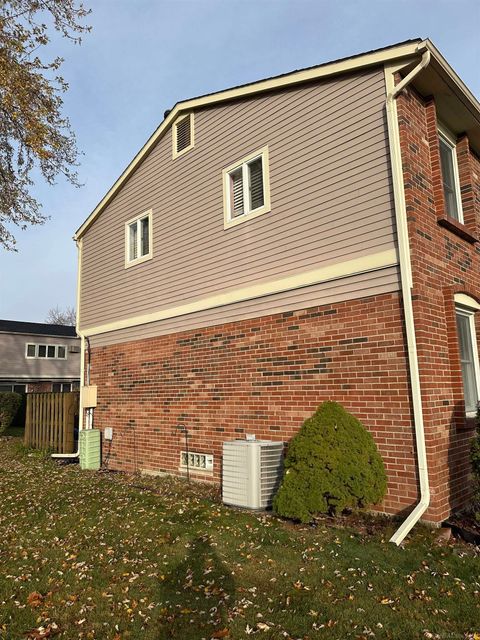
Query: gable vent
[184,134]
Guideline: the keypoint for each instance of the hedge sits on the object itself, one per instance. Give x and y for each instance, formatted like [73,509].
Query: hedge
[332,464]
[9,405]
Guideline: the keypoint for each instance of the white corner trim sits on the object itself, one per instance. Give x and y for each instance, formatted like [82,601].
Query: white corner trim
[329,272]
[462,300]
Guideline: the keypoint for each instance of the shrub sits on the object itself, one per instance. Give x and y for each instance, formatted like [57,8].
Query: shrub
[9,405]
[332,464]
[475,460]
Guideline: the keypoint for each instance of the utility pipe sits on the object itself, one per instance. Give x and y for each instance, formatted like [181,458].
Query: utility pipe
[407,283]
[82,356]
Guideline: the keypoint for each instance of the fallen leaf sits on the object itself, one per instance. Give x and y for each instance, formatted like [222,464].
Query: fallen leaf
[35,599]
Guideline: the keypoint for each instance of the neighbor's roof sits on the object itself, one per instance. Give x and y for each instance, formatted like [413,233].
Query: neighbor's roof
[37,328]
[400,52]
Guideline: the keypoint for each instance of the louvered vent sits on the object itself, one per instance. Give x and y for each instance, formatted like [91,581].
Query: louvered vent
[256,184]
[252,471]
[184,134]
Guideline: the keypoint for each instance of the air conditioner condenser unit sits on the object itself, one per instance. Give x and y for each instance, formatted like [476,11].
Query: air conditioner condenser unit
[252,472]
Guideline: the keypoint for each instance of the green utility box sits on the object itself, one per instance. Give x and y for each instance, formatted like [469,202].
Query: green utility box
[89,448]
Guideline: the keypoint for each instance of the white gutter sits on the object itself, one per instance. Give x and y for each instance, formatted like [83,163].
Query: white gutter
[406,278]
[82,354]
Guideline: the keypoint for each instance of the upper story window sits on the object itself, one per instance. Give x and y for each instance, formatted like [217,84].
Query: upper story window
[138,239]
[246,188]
[50,351]
[450,179]
[465,309]
[182,135]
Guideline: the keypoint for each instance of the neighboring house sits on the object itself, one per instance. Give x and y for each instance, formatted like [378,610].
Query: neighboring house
[38,357]
[264,252]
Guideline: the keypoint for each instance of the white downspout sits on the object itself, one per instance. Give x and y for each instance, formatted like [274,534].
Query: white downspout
[82,354]
[407,284]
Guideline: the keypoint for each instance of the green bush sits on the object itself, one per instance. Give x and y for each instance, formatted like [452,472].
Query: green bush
[9,405]
[475,459]
[332,464]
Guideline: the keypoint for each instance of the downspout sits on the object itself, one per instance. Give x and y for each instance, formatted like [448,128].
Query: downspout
[82,352]
[407,283]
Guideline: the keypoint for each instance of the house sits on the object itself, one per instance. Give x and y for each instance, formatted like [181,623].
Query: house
[306,237]
[38,357]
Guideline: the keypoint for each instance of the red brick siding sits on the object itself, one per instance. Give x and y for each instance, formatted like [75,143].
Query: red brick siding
[39,387]
[443,263]
[262,376]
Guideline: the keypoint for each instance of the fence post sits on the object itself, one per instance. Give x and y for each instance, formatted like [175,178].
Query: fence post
[28,422]
[69,402]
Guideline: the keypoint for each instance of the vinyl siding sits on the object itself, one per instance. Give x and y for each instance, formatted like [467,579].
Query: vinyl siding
[14,364]
[331,202]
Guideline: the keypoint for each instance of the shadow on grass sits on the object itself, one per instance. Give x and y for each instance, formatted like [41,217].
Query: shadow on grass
[197,595]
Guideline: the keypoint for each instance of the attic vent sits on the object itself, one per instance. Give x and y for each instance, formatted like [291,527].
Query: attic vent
[183,135]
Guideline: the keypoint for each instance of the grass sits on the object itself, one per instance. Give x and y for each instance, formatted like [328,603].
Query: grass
[111,556]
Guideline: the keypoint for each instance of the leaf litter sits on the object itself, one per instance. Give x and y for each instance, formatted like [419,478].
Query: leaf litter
[115,556]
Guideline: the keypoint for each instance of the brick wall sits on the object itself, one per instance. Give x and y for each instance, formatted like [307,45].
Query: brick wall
[39,387]
[265,376]
[261,376]
[445,261]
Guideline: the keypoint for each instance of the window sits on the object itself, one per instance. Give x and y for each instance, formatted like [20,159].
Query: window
[52,351]
[246,188]
[451,183]
[138,239]
[61,387]
[182,135]
[468,351]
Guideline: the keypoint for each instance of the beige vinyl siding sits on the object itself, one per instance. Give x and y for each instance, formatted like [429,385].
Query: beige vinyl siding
[330,194]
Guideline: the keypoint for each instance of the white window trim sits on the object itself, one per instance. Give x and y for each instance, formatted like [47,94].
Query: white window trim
[27,344]
[468,307]
[451,141]
[228,219]
[46,345]
[147,256]
[175,153]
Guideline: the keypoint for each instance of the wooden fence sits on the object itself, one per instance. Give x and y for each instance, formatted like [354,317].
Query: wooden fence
[50,421]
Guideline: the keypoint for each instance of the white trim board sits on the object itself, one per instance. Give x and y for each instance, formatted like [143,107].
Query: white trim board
[380,260]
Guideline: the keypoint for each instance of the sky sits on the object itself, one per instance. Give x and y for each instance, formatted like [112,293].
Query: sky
[143,56]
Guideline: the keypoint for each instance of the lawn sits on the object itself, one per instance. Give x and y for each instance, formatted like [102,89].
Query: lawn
[109,556]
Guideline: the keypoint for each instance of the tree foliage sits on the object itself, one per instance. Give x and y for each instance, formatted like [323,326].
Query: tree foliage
[34,135]
[332,464]
[65,316]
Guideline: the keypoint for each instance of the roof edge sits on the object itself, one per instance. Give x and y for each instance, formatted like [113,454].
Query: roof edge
[353,63]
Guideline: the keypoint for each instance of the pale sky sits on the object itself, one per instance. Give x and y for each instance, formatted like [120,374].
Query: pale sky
[142,56]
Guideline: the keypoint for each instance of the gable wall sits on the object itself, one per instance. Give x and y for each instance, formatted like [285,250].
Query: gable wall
[331,202]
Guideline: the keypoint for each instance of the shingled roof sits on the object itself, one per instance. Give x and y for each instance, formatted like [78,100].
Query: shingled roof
[37,328]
